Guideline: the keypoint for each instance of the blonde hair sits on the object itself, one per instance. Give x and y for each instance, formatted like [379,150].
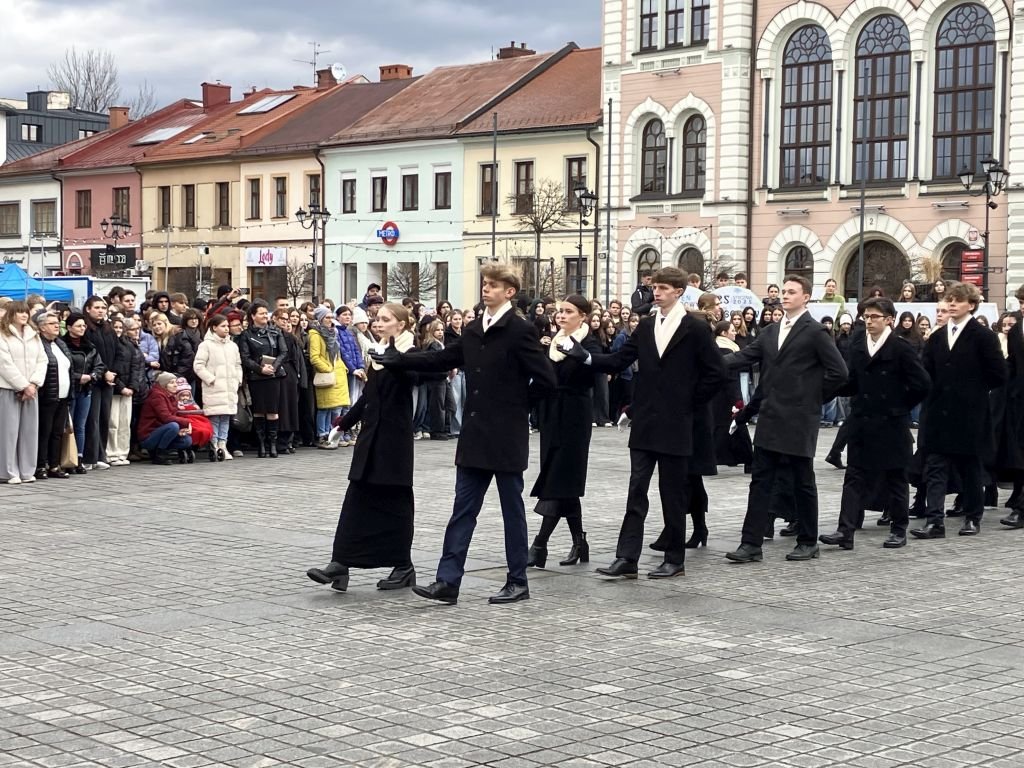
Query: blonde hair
[502,272]
[402,314]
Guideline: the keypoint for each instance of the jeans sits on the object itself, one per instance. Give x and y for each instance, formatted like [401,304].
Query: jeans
[419,419]
[221,424]
[745,389]
[324,417]
[830,412]
[166,438]
[79,407]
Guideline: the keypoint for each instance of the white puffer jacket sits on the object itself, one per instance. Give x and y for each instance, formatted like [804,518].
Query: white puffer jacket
[22,360]
[219,366]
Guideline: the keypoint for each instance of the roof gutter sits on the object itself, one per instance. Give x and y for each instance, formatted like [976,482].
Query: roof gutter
[597,189]
[748,260]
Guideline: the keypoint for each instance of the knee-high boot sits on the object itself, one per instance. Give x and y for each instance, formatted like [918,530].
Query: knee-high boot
[259,429]
[272,438]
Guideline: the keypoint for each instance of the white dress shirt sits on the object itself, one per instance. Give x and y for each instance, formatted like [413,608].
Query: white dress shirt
[490,319]
[786,325]
[954,331]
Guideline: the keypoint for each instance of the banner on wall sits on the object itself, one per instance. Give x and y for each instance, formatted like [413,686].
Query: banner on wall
[266,257]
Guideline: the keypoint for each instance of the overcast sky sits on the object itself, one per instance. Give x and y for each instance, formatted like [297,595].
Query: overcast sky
[178,44]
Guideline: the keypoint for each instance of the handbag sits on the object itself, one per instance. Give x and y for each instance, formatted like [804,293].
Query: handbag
[68,449]
[242,420]
[324,380]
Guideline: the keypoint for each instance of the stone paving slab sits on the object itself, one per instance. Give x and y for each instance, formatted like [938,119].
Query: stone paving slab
[161,616]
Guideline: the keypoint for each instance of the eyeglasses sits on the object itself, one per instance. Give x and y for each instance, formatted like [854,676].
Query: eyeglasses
[873,317]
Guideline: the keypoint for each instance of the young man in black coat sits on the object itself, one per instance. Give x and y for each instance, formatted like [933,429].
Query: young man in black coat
[886,382]
[642,300]
[679,370]
[103,338]
[965,362]
[500,355]
[801,369]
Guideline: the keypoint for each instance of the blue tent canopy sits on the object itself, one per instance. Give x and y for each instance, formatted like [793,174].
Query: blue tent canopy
[16,283]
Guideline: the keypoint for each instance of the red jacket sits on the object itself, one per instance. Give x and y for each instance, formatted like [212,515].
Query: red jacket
[161,407]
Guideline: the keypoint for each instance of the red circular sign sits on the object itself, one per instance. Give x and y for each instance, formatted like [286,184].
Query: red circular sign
[388,233]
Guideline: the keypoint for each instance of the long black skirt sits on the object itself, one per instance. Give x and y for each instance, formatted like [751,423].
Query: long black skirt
[288,410]
[375,527]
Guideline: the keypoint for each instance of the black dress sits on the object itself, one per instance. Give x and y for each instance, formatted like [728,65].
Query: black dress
[376,523]
[288,410]
[730,450]
[565,429]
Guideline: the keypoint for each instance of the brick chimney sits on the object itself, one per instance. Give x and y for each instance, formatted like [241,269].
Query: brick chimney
[395,72]
[325,79]
[215,94]
[118,117]
[511,51]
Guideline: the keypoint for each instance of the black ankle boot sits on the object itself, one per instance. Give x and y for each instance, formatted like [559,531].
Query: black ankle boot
[272,439]
[259,430]
[699,538]
[580,551]
[399,578]
[538,557]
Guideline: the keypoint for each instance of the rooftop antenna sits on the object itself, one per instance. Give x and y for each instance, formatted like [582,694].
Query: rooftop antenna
[317,53]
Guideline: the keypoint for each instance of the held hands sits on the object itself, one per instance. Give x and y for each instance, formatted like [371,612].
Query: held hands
[572,348]
[267,370]
[360,374]
[390,355]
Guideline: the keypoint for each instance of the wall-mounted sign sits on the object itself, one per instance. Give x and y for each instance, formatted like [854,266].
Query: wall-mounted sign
[266,257]
[75,262]
[973,234]
[111,257]
[388,233]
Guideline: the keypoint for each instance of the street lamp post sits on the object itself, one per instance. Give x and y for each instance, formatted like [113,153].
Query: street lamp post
[585,203]
[116,229]
[995,176]
[316,219]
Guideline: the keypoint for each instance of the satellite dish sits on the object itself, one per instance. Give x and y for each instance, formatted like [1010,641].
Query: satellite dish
[338,71]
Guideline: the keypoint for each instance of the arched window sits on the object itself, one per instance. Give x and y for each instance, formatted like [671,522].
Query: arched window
[882,100]
[649,259]
[885,267]
[691,261]
[806,108]
[965,70]
[799,261]
[695,148]
[952,260]
[654,153]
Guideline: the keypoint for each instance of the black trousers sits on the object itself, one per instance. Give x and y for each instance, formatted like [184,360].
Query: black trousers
[856,488]
[842,438]
[768,464]
[674,489]
[53,418]
[937,470]
[436,394]
[99,424]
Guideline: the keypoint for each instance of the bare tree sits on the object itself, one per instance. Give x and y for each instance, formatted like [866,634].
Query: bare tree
[713,265]
[298,279]
[542,210]
[413,280]
[144,101]
[90,78]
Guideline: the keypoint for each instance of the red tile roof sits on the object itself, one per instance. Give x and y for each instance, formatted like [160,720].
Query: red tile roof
[47,159]
[567,94]
[439,102]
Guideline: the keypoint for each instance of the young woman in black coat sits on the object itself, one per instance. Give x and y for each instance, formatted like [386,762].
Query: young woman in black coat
[376,524]
[263,350]
[565,428]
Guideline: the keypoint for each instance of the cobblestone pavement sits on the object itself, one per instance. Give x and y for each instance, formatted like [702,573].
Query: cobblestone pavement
[161,616]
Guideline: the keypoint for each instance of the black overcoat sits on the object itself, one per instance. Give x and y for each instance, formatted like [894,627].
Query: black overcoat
[957,416]
[729,450]
[384,451]
[796,381]
[1008,406]
[565,426]
[668,390]
[883,390]
[499,366]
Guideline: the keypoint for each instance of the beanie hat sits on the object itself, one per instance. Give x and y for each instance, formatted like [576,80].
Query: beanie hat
[182,383]
[320,313]
[845,318]
[359,316]
[73,318]
[165,378]
[223,290]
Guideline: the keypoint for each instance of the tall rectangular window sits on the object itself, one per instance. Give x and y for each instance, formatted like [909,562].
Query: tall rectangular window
[488,191]
[524,187]
[700,21]
[348,195]
[675,16]
[280,197]
[443,190]
[410,192]
[441,278]
[163,195]
[122,203]
[223,203]
[44,217]
[380,193]
[10,213]
[83,208]
[648,25]
[188,205]
[314,189]
[254,199]
[575,173]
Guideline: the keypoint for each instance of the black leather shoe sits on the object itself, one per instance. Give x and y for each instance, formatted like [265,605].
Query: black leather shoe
[334,574]
[80,470]
[510,593]
[57,473]
[620,567]
[805,552]
[441,591]
[1013,520]
[399,579]
[836,540]
[789,530]
[969,528]
[40,473]
[884,520]
[957,510]
[930,531]
[836,460]
[537,558]
[895,541]
[667,570]
[747,553]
